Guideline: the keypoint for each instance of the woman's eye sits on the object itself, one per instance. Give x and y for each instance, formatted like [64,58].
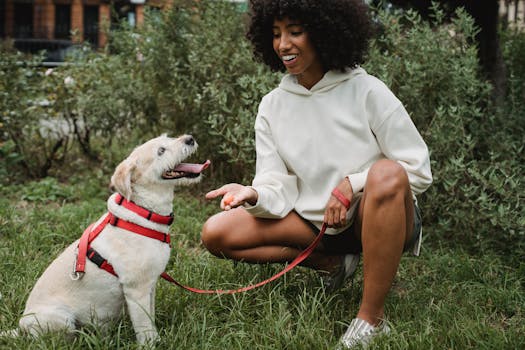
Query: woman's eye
[161,151]
[297,33]
[276,35]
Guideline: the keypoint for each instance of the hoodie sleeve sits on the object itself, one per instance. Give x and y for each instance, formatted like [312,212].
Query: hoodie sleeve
[276,188]
[398,138]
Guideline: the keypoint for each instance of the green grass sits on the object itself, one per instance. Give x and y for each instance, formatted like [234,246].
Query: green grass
[448,298]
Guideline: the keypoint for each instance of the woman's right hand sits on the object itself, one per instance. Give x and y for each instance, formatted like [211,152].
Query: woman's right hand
[234,195]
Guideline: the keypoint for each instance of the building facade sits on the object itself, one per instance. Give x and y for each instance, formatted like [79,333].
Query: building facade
[77,21]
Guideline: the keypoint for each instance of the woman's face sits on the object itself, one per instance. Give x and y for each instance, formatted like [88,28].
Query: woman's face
[293,46]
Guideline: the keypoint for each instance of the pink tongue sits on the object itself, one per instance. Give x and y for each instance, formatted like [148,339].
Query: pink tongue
[192,168]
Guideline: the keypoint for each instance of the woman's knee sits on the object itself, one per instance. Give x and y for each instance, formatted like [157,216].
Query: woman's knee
[387,180]
[213,235]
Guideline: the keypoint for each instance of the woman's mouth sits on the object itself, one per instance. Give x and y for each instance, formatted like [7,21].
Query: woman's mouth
[288,59]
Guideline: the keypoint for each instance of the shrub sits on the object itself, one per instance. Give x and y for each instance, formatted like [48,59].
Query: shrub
[26,113]
[199,66]
[109,100]
[433,69]
[513,46]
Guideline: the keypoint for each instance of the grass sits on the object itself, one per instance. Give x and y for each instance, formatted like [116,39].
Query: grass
[449,298]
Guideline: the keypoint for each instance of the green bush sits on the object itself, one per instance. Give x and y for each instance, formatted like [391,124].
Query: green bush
[109,100]
[200,67]
[26,114]
[513,47]
[433,69]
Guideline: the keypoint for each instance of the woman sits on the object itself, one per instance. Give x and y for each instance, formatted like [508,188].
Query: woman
[333,145]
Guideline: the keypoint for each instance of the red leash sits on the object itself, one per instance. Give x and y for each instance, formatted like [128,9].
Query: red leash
[301,257]
[88,236]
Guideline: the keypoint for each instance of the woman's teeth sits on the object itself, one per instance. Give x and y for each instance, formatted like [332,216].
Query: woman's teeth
[289,57]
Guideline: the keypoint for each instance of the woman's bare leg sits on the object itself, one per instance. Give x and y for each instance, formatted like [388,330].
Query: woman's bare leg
[384,223]
[236,234]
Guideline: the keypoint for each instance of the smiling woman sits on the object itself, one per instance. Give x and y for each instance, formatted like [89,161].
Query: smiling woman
[356,176]
[339,32]
[292,44]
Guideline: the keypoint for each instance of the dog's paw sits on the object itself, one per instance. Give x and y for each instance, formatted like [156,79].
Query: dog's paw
[148,338]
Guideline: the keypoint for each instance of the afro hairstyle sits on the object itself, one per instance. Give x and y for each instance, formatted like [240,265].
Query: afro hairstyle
[340,30]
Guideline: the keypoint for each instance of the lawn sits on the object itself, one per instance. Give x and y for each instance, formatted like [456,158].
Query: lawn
[448,298]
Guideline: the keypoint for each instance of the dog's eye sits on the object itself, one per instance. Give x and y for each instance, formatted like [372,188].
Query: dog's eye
[161,151]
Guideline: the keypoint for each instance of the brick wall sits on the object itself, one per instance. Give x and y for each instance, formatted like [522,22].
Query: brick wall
[43,21]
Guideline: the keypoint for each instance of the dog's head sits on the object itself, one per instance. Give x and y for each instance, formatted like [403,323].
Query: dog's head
[158,162]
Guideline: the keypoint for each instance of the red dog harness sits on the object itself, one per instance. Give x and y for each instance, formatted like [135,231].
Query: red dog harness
[84,249]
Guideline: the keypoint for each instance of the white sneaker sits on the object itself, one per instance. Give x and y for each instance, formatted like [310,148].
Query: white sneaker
[361,332]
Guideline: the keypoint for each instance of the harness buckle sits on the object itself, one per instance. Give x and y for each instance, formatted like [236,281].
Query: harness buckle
[76,275]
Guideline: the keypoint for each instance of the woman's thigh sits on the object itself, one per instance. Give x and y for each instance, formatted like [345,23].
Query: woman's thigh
[238,229]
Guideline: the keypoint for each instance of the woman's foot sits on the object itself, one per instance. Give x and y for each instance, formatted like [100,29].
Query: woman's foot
[361,332]
[341,272]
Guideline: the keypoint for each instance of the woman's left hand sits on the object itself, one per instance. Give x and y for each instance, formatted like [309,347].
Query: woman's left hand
[335,212]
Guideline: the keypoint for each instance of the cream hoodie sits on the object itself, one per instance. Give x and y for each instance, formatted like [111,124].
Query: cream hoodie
[307,141]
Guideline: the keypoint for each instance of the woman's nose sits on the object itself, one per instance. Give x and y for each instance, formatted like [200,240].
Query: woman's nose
[284,42]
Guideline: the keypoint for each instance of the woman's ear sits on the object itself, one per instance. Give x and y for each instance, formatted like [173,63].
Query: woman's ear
[121,179]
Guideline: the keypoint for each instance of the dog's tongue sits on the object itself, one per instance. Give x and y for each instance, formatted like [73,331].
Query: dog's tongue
[192,168]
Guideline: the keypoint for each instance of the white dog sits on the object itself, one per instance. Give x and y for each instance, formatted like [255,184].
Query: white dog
[62,300]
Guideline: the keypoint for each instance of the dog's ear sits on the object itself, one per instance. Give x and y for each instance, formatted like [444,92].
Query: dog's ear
[121,179]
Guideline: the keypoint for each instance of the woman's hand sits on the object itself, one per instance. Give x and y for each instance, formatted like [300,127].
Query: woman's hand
[335,212]
[234,195]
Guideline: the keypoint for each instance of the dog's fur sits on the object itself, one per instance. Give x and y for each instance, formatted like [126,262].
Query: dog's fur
[59,303]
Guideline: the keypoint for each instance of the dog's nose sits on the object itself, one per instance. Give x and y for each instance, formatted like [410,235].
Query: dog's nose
[189,140]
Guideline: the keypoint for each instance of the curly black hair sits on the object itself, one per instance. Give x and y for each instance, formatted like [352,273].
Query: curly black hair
[340,30]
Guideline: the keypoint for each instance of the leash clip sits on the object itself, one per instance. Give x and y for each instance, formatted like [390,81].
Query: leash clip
[76,275]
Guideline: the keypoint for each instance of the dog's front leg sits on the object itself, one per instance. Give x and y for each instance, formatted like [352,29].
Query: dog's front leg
[140,300]
[152,303]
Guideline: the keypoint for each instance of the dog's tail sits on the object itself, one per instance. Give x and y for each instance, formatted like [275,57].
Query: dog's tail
[13,333]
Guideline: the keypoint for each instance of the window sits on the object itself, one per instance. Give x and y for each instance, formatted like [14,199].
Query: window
[91,24]
[2,19]
[23,20]
[62,21]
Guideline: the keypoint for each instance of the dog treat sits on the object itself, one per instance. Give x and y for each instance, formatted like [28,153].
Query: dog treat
[228,199]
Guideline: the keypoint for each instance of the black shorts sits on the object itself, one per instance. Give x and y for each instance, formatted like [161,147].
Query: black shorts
[345,242]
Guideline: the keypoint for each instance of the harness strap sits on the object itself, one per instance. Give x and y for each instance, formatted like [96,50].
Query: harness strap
[83,246]
[144,231]
[98,260]
[145,213]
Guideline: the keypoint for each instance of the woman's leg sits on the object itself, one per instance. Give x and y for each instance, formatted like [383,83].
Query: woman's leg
[236,234]
[384,223]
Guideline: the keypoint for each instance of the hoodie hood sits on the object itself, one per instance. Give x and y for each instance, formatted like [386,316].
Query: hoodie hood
[330,80]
